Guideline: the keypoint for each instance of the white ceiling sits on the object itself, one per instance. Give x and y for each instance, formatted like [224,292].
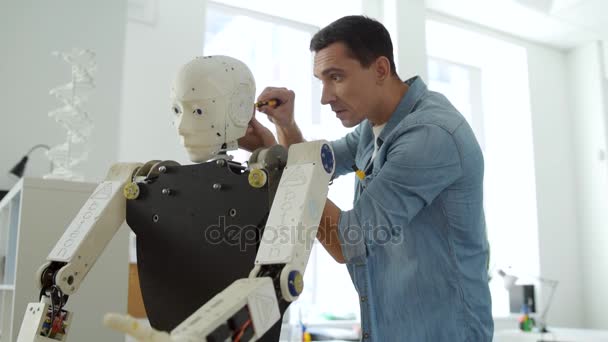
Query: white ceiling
[560,23]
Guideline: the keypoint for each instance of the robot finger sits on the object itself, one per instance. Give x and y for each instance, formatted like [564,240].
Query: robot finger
[131,326]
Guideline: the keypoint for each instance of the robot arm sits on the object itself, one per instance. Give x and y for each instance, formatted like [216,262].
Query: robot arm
[75,254]
[246,309]
[243,311]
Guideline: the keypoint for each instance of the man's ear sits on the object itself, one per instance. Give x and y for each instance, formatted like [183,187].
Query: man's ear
[383,69]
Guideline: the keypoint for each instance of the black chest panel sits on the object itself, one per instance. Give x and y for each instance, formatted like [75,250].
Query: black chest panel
[198,228]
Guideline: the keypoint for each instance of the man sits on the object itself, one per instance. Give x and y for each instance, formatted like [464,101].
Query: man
[415,241]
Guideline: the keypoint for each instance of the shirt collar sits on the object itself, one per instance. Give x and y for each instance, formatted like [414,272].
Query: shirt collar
[417,89]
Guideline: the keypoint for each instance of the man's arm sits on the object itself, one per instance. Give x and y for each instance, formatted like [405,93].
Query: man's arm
[344,150]
[289,135]
[328,231]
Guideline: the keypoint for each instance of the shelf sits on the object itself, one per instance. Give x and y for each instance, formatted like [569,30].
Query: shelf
[33,216]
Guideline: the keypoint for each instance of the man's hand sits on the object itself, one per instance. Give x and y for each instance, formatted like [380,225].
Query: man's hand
[281,115]
[257,136]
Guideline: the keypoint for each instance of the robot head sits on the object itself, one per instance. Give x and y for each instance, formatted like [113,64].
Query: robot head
[212,102]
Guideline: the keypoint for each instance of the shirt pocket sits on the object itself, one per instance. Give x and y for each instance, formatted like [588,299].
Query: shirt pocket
[365,182]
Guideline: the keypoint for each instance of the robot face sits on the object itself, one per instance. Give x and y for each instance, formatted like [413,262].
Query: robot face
[212,102]
[199,126]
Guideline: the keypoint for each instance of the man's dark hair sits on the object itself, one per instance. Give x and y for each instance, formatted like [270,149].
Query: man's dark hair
[366,39]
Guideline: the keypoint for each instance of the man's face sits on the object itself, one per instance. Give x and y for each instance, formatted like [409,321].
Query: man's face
[349,88]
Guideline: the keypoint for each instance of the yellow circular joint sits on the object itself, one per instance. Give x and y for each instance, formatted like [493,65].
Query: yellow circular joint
[257,178]
[131,191]
[298,282]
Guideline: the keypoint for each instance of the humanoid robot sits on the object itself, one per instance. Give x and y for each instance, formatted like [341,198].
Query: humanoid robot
[221,247]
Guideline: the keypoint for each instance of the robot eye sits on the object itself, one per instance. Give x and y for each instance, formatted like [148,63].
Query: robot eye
[198,111]
[176,110]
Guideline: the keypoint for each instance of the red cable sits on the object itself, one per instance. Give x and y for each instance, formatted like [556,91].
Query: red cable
[237,338]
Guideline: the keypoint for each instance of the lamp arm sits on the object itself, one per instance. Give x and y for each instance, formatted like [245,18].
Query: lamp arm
[36,147]
[553,284]
[46,147]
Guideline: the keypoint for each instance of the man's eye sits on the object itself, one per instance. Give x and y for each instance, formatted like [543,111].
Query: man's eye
[336,77]
[198,111]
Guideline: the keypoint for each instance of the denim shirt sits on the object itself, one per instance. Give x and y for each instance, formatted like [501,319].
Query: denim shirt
[415,241]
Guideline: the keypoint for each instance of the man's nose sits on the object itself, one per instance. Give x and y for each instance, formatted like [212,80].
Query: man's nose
[327,96]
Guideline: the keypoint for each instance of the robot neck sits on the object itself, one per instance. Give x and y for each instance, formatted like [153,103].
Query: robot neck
[222,154]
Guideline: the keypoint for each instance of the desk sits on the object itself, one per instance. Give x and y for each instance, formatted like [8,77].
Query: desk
[555,334]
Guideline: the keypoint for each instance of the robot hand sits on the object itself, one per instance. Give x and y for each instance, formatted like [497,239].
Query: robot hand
[131,326]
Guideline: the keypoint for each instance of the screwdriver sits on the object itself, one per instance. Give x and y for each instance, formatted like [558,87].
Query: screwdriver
[273,103]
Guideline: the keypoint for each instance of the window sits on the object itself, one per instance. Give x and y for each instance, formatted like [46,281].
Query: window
[276,50]
[487,80]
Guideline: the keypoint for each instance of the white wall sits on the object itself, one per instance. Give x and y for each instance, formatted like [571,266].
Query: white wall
[605,57]
[410,40]
[154,51]
[29,32]
[588,118]
[558,231]
[405,21]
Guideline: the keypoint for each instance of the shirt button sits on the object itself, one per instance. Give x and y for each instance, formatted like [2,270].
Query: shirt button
[365,335]
[363,298]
